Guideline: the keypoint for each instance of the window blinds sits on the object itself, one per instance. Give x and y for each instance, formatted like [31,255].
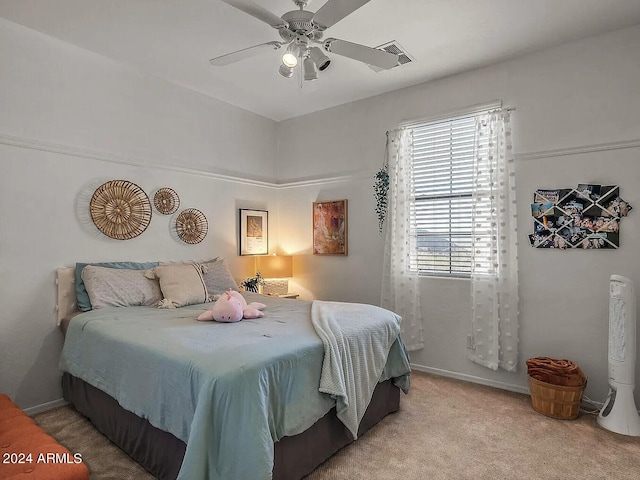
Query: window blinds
[443,163]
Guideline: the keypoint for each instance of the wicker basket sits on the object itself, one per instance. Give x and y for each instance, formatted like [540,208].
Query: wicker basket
[555,401]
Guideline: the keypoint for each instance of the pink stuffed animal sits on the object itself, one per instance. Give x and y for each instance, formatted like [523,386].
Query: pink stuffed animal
[232,307]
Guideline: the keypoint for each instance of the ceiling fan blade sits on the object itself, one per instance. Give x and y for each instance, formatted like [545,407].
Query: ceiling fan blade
[244,53]
[257,11]
[335,10]
[356,51]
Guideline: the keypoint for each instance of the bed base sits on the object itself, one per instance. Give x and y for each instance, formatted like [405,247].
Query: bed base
[161,453]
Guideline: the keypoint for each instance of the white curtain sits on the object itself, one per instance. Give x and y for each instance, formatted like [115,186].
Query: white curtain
[400,281]
[494,271]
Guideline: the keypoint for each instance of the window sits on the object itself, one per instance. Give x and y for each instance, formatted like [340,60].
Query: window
[452,212]
[443,159]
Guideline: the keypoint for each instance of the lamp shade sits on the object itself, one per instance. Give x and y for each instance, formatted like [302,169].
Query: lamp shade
[319,58]
[286,72]
[310,70]
[290,57]
[275,266]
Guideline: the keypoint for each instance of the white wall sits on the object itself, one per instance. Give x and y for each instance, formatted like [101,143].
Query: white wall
[70,120]
[581,94]
[55,92]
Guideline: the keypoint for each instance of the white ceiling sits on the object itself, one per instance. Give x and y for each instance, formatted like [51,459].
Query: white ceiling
[174,39]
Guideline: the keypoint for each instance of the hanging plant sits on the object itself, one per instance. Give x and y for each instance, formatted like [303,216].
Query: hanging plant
[380,190]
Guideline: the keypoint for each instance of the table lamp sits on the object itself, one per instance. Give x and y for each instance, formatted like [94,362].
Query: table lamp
[275,269]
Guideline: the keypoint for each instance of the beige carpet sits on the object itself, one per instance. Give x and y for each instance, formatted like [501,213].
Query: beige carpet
[445,429]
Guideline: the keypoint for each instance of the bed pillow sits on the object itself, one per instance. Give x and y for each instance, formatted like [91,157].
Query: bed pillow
[82,297]
[218,278]
[181,284]
[116,287]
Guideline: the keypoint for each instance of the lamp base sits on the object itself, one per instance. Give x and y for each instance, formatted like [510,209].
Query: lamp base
[275,287]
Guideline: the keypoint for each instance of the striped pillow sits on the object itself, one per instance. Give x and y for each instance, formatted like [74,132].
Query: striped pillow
[181,284]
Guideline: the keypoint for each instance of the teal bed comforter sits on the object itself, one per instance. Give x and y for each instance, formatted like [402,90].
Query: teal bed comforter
[228,390]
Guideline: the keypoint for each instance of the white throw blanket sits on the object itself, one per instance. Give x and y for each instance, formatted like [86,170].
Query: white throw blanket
[357,339]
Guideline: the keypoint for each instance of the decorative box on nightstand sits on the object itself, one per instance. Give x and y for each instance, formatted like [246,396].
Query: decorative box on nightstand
[275,287]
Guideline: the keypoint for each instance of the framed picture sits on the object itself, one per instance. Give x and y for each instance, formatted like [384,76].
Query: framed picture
[330,228]
[254,232]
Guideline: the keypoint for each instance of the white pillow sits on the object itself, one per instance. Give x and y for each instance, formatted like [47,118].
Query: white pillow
[112,287]
[181,284]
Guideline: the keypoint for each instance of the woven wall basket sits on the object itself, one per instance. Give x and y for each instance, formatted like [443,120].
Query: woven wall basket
[191,226]
[120,209]
[166,201]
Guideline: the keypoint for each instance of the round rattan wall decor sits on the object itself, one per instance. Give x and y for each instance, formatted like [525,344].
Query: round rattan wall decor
[191,226]
[166,201]
[120,209]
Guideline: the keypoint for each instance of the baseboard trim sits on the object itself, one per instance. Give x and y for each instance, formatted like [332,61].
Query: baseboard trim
[472,379]
[45,406]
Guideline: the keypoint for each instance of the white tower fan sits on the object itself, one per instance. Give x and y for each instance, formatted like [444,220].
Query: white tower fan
[619,413]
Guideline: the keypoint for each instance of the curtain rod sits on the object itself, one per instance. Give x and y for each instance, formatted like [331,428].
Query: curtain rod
[489,107]
[508,109]
[409,125]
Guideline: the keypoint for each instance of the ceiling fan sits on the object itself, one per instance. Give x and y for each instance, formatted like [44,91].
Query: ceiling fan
[301,32]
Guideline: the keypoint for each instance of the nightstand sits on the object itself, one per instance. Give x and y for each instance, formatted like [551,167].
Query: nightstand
[287,295]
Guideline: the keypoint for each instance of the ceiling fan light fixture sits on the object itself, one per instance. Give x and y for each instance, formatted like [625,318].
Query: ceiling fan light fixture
[319,58]
[310,69]
[290,57]
[289,60]
[286,72]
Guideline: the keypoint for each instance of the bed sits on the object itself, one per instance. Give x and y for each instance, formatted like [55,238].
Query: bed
[204,400]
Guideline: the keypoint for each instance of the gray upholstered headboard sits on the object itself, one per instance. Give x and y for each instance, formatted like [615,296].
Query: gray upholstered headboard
[66,297]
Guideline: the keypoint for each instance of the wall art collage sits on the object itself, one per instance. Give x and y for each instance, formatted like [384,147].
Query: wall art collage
[586,217]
